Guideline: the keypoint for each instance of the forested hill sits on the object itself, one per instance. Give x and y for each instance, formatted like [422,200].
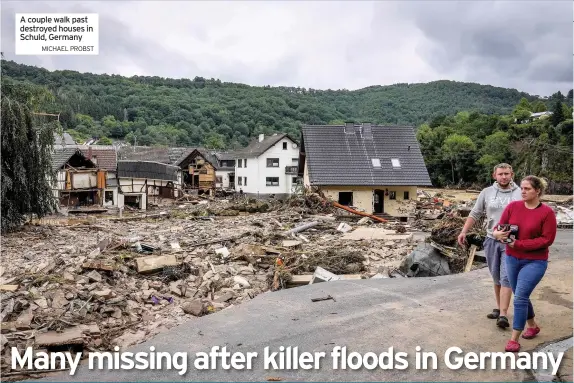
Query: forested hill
[154,110]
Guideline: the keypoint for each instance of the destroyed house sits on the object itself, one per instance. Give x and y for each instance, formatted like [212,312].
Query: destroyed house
[199,171]
[79,181]
[374,169]
[139,180]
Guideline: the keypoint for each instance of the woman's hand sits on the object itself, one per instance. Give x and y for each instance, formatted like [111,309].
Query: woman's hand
[511,244]
[500,235]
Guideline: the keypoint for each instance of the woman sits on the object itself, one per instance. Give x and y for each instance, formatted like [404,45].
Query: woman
[527,241]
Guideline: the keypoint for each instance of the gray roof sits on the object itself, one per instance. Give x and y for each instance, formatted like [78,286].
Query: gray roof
[342,155]
[256,148]
[63,139]
[147,170]
[152,153]
[207,154]
[62,155]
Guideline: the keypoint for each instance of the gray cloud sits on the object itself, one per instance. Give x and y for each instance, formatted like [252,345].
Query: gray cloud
[526,45]
[523,45]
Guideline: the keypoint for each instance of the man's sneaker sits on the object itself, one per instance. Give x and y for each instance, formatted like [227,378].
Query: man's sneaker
[531,332]
[512,346]
[494,314]
[502,322]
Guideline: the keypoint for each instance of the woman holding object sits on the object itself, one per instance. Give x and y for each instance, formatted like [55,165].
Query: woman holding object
[528,228]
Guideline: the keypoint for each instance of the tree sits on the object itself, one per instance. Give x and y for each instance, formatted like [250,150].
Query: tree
[457,148]
[26,155]
[557,113]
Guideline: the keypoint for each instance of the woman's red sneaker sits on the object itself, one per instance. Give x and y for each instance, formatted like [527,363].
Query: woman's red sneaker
[512,346]
[531,332]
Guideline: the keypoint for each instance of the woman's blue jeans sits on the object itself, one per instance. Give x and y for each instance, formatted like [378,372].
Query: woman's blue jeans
[524,275]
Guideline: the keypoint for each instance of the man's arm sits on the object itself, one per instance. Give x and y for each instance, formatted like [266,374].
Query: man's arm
[476,212]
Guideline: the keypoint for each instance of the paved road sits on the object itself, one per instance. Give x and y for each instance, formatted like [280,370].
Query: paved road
[368,315]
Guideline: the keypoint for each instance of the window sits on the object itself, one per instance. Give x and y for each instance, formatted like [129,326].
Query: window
[346,198]
[295,160]
[284,146]
[109,196]
[245,163]
[396,163]
[376,162]
[273,162]
[239,181]
[393,195]
[272,181]
[244,181]
[294,180]
[219,179]
[406,195]
[240,163]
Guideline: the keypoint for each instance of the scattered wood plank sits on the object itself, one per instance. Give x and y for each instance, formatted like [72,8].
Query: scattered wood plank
[470,260]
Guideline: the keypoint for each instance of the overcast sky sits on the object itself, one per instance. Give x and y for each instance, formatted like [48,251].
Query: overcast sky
[526,45]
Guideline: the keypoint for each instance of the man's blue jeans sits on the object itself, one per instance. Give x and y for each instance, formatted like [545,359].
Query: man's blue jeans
[524,275]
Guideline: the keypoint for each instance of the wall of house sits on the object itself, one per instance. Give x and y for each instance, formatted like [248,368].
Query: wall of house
[142,200]
[257,171]
[138,185]
[363,198]
[224,174]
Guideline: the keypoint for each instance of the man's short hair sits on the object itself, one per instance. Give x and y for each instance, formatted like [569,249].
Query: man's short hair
[502,165]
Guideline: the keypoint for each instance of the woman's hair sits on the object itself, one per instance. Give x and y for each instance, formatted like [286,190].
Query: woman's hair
[537,183]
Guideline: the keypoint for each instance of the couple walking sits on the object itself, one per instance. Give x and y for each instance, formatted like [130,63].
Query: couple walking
[520,229]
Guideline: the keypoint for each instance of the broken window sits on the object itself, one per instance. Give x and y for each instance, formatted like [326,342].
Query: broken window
[376,162]
[272,181]
[406,195]
[273,162]
[346,198]
[109,196]
[396,163]
[295,180]
[393,195]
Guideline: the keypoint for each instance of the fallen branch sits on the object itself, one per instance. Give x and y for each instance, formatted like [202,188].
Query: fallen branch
[336,204]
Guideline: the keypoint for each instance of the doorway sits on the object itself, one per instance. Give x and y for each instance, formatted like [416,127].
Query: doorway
[379,201]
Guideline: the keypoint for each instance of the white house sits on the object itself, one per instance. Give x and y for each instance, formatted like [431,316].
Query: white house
[267,166]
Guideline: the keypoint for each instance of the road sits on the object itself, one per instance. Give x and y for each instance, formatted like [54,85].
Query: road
[367,316]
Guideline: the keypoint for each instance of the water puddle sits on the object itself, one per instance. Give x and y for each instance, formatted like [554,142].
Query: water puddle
[545,375]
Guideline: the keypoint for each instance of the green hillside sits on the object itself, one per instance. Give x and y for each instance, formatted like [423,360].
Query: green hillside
[162,111]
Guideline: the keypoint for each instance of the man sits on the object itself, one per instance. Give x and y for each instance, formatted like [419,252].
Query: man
[492,201]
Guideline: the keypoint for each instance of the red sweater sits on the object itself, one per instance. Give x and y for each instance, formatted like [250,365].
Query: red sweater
[536,230]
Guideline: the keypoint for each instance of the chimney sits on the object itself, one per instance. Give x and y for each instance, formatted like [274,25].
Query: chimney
[349,127]
[89,152]
[261,137]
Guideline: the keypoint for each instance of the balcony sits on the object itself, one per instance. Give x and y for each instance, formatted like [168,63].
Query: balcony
[294,170]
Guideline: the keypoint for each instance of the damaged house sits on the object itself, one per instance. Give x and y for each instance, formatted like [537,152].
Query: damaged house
[79,181]
[205,171]
[374,169]
[140,180]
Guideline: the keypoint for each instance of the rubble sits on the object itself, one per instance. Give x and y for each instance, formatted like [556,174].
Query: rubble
[102,281]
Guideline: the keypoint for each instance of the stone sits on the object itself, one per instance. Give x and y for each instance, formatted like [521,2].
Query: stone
[241,281]
[194,307]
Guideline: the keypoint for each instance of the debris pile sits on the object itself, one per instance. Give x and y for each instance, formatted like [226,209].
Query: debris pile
[92,283]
